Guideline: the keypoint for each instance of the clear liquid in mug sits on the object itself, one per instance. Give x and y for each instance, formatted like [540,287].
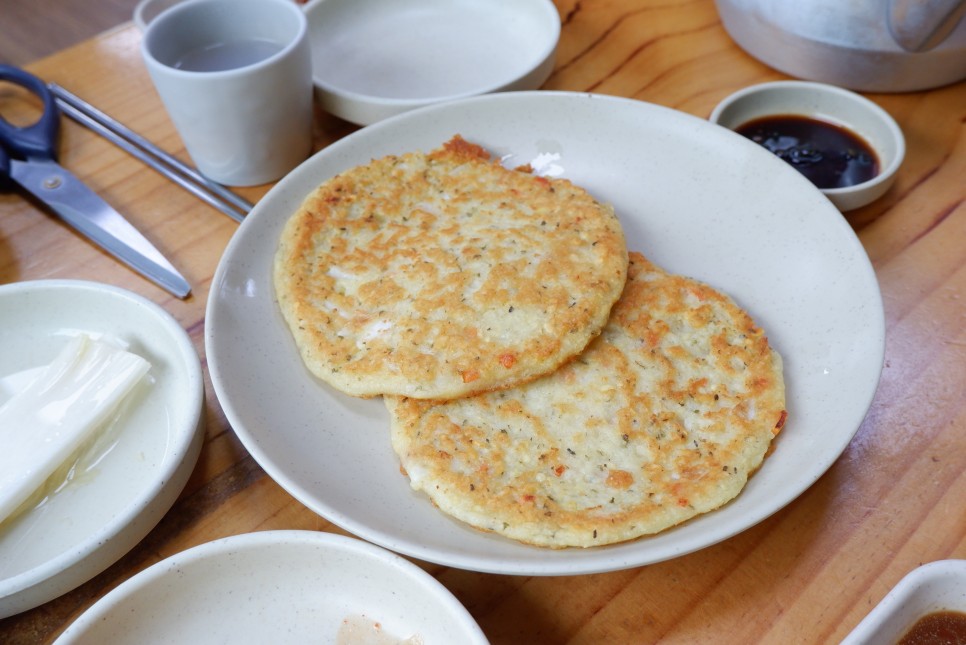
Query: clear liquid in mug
[224,56]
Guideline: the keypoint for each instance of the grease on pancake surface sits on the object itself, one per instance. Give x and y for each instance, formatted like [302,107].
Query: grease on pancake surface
[662,418]
[445,274]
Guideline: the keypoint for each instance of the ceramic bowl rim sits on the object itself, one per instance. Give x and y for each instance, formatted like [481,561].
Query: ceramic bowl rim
[874,112]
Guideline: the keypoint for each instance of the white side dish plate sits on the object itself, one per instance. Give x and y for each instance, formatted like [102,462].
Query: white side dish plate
[129,482]
[277,587]
[937,586]
[373,59]
[696,198]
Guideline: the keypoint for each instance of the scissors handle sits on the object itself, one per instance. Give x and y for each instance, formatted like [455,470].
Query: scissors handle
[38,140]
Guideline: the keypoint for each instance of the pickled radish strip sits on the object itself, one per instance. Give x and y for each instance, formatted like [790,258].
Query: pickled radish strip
[72,398]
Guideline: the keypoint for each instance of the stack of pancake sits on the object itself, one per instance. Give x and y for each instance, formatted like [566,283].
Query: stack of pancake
[542,382]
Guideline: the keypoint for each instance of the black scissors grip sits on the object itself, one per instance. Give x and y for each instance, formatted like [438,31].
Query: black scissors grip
[37,140]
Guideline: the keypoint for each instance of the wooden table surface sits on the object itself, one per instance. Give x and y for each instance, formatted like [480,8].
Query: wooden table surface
[894,500]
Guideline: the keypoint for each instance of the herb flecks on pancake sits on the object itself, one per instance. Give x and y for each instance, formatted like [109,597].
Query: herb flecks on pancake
[444,274]
[662,418]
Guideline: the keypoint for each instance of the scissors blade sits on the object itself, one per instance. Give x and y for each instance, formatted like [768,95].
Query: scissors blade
[83,209]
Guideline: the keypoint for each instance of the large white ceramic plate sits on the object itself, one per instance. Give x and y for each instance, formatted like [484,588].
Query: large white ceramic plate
[130,480]
[694,197]
[372,59]
[277,587]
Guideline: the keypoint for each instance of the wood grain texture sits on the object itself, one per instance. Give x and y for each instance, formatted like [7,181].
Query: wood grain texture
[808,574]
[30,30]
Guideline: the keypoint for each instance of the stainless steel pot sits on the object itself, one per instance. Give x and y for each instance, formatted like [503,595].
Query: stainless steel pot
[865,45]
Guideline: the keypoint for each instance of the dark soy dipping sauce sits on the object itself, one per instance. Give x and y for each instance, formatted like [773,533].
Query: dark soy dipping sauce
[828,155]
[939,628]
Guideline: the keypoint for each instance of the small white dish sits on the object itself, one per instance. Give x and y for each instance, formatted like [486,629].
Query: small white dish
[937,586]
[376,58]
[147,10]
[831,104]
[101,514]
[276,587]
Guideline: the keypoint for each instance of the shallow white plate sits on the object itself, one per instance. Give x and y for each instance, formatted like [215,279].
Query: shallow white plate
[276,587]
[937,586]
[89,524]
[695,197]
[373,59]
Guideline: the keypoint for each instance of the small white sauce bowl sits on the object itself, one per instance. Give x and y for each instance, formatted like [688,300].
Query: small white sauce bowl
[833,105]
[147,10]
[932,587]
[373,59]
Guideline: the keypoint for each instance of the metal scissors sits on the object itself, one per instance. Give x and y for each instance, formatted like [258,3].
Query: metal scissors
[28,155]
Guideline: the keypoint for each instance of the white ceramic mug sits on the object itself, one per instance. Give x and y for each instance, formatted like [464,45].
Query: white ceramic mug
[236,79]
